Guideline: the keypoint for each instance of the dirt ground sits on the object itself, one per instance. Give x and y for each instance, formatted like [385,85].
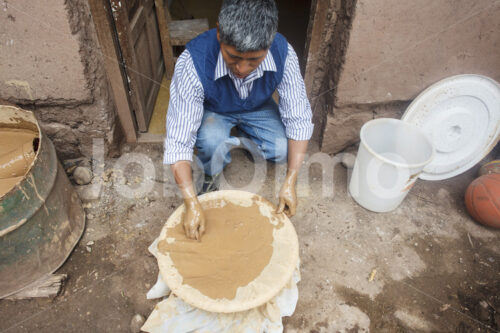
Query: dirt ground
[433,268]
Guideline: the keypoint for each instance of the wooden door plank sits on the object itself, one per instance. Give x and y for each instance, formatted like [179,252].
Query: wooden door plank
[156,60]
[154,42]
[137,23]
[163,18]
[101,14]
[122,24]
[319,15]
[145,77]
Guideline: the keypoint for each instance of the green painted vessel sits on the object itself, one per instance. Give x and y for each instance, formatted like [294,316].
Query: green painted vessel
[41,217]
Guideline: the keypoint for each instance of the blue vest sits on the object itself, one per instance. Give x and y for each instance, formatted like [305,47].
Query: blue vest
[221,95]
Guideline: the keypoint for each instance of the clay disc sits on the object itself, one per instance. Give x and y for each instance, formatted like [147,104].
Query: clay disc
[273,277]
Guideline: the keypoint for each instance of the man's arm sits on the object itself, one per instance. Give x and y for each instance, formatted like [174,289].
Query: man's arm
[184,116]
[288,197]
[296,115]
[193,219]
[185,111]
[296,153]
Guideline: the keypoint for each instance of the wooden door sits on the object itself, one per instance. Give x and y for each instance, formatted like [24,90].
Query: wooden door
[140,45]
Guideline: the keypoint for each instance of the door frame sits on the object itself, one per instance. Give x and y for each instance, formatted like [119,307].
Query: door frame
[323,18]
[108,39]
[143,27]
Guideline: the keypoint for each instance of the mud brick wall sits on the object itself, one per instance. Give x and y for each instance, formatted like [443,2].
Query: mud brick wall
[51,64]
[384,53]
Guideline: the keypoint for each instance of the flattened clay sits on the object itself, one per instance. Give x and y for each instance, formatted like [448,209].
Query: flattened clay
[234,250]
[237,285]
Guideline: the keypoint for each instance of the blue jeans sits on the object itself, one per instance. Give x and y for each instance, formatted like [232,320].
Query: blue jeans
[263,133]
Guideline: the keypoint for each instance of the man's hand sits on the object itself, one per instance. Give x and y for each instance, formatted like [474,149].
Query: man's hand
[193,219]
[288,195]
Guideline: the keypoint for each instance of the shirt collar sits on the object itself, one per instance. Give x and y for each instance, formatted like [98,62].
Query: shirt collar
[268,64]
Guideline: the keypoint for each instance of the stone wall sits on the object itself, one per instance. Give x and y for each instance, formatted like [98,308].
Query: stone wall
[52,65]
[397,48]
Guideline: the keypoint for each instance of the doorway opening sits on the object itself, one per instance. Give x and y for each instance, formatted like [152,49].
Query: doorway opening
[293,24]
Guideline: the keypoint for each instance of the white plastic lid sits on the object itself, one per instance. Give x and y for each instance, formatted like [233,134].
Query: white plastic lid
[461,116]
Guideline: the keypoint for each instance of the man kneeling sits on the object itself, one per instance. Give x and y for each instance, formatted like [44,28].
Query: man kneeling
[225,78]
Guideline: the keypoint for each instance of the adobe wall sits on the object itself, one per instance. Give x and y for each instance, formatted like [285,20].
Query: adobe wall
[397,48]
[52,65]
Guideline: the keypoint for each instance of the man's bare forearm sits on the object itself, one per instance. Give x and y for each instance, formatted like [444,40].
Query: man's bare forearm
[182,173]
[296,153]
[287,196]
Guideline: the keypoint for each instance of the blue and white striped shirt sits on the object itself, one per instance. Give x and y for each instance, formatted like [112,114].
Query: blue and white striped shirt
[185,109]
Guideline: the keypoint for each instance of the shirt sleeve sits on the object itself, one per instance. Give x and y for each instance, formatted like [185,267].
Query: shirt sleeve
[294,106]
[185,111]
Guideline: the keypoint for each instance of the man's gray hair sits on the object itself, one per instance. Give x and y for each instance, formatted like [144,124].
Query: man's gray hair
[248,25]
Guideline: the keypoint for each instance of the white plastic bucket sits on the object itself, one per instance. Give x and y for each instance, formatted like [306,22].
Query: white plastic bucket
[391,155]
